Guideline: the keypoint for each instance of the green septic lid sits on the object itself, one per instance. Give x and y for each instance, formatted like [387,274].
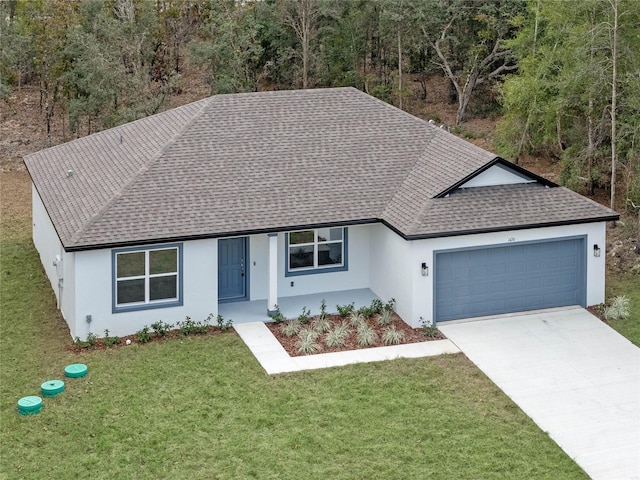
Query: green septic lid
[51,388]
[29,405]
[76,370]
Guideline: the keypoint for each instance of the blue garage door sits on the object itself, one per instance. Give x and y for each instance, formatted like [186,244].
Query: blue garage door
[513,278]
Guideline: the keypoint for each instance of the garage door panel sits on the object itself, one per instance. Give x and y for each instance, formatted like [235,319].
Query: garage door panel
[568,261]
[503,279]
[550,263]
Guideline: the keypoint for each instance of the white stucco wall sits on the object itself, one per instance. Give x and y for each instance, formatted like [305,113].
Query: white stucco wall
[259,266]
[392,269]
[496,175]
[62,275]
[46,242]
[357,275]
[67,308]
[379,259]
[422,251]
[94,291]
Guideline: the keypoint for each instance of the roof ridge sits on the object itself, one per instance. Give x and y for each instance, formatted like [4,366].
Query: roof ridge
[145,168]
[386,105]
[409,175]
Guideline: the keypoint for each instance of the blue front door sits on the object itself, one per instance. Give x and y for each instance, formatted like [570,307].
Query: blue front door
[232,271]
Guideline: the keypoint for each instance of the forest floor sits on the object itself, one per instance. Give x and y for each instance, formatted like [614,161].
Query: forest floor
[22,131]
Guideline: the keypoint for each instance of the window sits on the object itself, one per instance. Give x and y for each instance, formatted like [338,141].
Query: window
[317,250]
[147,278]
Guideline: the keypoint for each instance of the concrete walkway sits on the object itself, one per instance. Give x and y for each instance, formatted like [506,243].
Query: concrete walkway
[274,359]
[577,378]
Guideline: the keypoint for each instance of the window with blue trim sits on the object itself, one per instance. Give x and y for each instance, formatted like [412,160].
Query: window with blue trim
[147,277]
[316,250]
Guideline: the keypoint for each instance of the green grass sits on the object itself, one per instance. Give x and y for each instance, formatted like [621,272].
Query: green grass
[202,407]
[629,286]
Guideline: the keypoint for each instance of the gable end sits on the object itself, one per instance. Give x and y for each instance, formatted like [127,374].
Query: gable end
[498,162]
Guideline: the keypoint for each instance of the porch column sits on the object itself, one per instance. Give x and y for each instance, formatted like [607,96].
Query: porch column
[272,296]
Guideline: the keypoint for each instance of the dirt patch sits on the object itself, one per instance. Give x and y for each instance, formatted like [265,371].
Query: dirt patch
[15,202]
[623,256]
[408,334]
[22,128]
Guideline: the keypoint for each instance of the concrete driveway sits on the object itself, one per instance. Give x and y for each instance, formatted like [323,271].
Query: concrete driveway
[577,378]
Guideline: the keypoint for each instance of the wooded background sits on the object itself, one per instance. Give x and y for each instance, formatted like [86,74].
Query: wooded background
[560,77]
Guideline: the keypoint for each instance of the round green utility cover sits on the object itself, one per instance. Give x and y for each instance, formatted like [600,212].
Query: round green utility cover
[29,405]
[51,388]
[76,370]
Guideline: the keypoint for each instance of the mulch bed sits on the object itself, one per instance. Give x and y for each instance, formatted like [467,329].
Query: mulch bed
[170,335]
[411,335]
[596,310]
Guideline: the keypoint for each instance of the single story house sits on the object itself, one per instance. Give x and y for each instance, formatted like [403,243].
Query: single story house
[264,196]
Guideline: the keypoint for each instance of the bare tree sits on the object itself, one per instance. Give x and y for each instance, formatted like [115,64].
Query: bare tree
[614,97]
[493,64]
[302,17]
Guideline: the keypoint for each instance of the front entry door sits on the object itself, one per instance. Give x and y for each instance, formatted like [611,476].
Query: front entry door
[232,269]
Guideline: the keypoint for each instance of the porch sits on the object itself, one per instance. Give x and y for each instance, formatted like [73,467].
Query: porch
[291,307]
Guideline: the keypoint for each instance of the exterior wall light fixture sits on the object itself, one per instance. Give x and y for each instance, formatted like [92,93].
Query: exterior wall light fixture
[596,250]
[425,270]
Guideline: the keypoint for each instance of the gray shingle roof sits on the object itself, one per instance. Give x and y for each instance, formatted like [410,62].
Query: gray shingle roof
[258,162]
[504,207]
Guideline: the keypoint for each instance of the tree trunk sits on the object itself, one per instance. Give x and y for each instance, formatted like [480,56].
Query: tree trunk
[614,79]
[301,15]
[479,72]
[590,132]
[305,51]
[48,114]
[464,95]
[590,147]
[638,234]
[399,70]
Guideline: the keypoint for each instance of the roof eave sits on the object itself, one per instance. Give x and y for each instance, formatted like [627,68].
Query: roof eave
[506,228]
[453,233]
[205,236]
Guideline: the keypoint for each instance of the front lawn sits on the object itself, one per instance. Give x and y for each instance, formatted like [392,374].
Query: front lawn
[202,407]
[630,287]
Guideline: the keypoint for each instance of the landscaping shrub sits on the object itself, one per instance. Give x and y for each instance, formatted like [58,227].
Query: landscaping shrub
[277,316]
[110,341]
[143,335]
[366,335]
[290,328]
[323,310]
[307,342]
[321,324]
[222,324]
[618,310]
[161,328]
[356,319]
[391,336]
[303,318]
[385,317]
[345,310]
[366,312]
[428,330]
[337,336]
